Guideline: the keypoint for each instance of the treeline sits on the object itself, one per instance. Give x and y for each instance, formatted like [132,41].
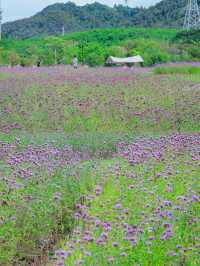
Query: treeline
[93,47]
[50,21]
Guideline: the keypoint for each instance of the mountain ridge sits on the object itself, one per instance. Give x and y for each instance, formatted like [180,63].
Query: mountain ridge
[49,21]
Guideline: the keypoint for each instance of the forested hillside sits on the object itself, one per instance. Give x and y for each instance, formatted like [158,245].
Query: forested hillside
[167,13]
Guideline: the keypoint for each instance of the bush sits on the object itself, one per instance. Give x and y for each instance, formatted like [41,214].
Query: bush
[93,54]
[118,51]
[13,58]
[151,51]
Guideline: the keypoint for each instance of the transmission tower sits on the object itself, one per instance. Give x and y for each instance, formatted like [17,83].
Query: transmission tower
[0,20]
[126,2]
[192,16]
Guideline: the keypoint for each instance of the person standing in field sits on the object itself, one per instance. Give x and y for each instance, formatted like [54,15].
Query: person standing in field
[75,62]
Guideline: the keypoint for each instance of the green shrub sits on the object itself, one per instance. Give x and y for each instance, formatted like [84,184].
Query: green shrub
[151,51]
[118,51]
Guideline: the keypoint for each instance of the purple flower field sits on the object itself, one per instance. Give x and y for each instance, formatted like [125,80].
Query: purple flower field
[145,211]
[99,167]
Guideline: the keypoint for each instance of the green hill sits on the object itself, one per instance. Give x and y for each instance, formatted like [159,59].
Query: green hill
[167,13]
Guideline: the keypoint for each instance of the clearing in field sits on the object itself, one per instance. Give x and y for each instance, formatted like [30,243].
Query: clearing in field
[100,166]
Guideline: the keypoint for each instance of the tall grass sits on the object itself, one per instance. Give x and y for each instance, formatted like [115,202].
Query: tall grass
[177,70]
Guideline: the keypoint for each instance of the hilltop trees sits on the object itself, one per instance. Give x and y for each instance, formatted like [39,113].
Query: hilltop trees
[167,13]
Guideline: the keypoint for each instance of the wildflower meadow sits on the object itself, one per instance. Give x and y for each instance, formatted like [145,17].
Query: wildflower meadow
[100,166]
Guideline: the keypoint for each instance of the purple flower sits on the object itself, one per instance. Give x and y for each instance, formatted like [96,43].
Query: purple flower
[13,218]
[118,206]
[133,242]
[98,190]
[104,235]
[169,189]
[115,244]
[167,225]
[100,241]
[87,254]
[126,210]
[106,226]
[97,223]
[195,198]
[77,216]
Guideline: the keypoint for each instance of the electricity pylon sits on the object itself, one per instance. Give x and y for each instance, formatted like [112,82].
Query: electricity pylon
[126,2]
[0,20]
[192,16]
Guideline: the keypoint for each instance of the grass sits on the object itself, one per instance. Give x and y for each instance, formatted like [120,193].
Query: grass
[193,78]
[59,143]
[4,76]
[187,70]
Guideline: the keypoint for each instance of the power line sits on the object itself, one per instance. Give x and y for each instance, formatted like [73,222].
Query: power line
[192,16]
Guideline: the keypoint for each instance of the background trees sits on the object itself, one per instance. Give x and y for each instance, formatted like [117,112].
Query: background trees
[167,13]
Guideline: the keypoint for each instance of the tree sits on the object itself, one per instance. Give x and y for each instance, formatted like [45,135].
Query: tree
[118,51]
[13,58]
[2,55]
[56,46]
[94,54]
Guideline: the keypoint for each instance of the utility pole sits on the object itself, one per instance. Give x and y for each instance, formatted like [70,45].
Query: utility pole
[63,30]
[0,21]
[192,16]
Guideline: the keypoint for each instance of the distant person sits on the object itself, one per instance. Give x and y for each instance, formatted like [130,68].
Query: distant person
[75,62]
[38,63]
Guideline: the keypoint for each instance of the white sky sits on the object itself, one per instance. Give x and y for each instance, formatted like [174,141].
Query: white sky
[15,9]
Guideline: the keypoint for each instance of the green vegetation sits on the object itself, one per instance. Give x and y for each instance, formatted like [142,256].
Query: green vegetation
[188,36]
[177,70]
[93,47]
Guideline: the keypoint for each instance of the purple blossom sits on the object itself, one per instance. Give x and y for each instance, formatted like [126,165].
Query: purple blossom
[115,244]
[118,205]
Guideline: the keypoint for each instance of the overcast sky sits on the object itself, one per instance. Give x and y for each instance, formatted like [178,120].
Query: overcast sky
[15,9]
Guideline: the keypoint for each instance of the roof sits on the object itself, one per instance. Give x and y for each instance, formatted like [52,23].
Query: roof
[117,60]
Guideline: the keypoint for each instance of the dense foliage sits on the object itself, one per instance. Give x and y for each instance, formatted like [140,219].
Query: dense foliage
[93,47]
[167,13]
[188,36]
